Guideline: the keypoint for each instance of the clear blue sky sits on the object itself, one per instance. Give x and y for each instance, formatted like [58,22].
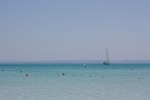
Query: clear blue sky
[33,30]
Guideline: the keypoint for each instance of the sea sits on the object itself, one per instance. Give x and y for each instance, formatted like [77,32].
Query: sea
[74,82]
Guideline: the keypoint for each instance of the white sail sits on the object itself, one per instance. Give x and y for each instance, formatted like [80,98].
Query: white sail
[107,54]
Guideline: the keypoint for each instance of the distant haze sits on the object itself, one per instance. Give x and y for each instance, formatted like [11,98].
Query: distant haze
[48,30]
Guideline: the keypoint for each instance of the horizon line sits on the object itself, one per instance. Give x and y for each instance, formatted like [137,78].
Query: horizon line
[79,61]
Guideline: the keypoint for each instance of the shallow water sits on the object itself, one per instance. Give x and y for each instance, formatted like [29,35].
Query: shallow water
[95,82]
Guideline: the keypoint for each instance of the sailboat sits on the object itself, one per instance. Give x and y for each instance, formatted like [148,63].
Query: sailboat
[107,60]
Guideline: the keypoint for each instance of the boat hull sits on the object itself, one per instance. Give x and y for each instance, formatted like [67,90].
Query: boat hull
[106,63]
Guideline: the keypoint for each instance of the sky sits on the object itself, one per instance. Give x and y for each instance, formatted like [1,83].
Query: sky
[44,30]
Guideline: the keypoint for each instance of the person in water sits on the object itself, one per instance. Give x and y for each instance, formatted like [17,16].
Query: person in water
[84,65]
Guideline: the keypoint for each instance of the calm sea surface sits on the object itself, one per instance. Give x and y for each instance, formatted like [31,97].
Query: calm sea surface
[74,82]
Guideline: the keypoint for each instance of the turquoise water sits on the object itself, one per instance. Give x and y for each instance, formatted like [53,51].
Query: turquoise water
[95,82]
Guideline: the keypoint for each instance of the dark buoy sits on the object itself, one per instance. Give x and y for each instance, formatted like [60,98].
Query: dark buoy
[26,74]
[63,73]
